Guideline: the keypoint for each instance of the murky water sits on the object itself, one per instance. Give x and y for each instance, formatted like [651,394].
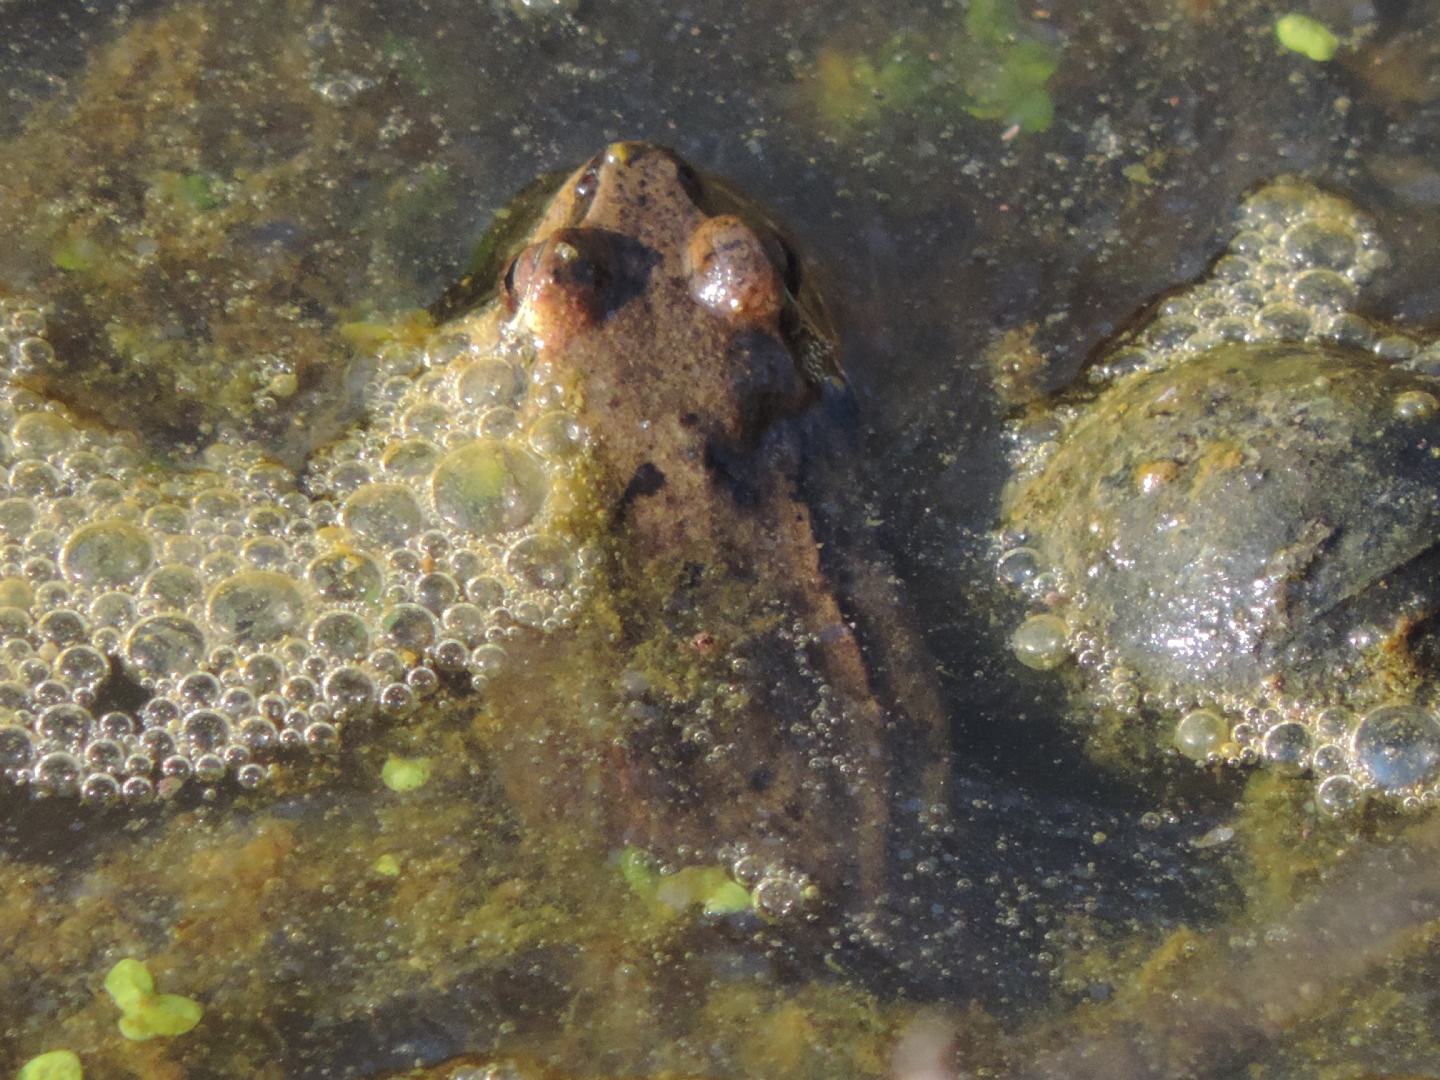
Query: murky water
[219,206]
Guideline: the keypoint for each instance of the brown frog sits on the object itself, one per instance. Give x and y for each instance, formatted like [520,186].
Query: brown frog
[716,700]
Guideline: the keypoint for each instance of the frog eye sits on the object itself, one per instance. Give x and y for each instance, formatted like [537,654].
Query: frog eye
[732,274]
[560,284]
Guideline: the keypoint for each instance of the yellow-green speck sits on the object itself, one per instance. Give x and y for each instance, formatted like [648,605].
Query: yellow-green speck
[51,1065]
[387,866]
[728,898]
[1304,35]
[405,774]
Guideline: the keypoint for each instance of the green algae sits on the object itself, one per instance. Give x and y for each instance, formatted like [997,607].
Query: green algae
[994,67]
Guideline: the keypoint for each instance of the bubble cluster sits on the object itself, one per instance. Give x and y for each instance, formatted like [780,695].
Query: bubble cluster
[248,609]
[1291,275]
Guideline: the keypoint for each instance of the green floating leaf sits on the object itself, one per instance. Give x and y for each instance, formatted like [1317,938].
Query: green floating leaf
[387,866]
[405,774]
[161,1015]
[1306,36]
[52,1065]
[710,888]
[148,1015]
[129,983]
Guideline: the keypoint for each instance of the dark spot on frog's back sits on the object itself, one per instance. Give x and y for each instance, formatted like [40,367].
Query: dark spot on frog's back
[647,480]
[769,384]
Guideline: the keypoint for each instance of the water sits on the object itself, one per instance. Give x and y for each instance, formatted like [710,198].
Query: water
[219,203]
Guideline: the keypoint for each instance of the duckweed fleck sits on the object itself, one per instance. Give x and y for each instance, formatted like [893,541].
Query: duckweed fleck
[405,774]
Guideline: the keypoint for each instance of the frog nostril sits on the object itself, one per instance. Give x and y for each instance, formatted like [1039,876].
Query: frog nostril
[691,182]
[519,276]
[790,272]
[586,186]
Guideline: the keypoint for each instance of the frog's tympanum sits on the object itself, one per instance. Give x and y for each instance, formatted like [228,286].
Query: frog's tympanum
[1231,533]
[581,497]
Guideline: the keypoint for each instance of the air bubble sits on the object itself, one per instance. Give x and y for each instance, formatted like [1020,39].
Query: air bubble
[412,459]
[137,789]
[1200,734]
[466,622]
[1041,642]
[58,773]
[776,897]
[1398,746]
[349,690]
[17,518]
[1320,244]
[81,665]
[346,576]
[540,562]
[489,381]
[256,734]
[257,607]
[409,627]
[1018,566]
[484,487]
[41,435]
[173,586]
[436,592]
[208,768]
[1415,405]
[385,514]
[1287,746]
[16,747]
[62,628]
[164,645]
[1337,795]
[340,634]
[100,789]
[556,435]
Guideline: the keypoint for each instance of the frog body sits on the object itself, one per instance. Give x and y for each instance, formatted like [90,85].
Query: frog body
[1231,529]
[707,380]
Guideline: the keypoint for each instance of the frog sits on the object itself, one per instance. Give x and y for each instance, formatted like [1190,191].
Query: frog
[582,509]
[1225,533]
[706,372]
